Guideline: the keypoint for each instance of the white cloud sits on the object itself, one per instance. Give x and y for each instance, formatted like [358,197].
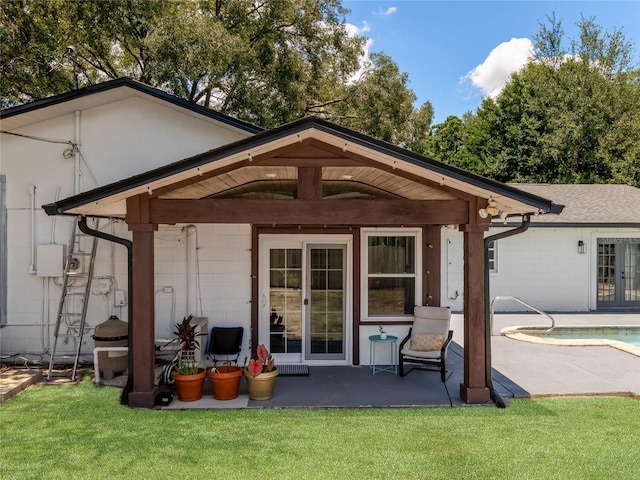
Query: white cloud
[353,30]
[388,11]
[364,62]
[492,75]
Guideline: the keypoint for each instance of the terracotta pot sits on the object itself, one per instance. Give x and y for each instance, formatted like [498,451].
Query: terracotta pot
[261,387]
[225,382]
[189,387]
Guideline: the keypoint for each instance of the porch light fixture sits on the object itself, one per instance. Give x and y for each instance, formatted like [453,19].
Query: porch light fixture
[347,177]
[490,210]
[582,247]
[271,175]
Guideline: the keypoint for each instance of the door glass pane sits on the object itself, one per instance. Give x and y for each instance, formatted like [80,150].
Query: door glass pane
[391,296]
[326,301]
[285,300]
[631,272]
[391,254]
[606,272]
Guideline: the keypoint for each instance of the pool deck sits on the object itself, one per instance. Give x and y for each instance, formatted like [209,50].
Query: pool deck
[520,369]
[545,369]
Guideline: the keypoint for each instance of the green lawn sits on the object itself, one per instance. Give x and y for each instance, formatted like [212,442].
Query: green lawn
[68,432]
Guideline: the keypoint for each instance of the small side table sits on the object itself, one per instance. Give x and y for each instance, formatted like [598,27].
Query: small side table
[393,364]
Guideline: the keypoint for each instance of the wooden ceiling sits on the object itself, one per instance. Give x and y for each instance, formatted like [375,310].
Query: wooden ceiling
[279,171]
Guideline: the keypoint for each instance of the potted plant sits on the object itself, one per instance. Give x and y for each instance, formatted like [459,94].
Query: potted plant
[188,377]
[383,334]
[261,374]
[225,381]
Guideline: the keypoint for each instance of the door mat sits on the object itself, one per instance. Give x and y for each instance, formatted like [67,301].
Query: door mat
[296,369]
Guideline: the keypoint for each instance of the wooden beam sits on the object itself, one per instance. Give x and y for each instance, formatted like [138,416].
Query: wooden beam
[309,212]
[310,183]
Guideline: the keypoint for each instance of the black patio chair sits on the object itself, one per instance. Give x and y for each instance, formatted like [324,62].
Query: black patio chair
[225,342]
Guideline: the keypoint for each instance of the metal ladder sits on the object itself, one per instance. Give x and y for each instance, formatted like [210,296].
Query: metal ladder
[72,310]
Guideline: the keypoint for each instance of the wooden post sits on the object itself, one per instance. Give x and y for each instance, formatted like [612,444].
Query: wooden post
[143,328]
[474,389]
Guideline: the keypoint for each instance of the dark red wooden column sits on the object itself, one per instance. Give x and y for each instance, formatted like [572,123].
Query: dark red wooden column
[143,328]
[474,389]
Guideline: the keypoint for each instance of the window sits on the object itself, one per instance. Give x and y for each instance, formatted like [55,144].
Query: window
[391,273]
[492,256]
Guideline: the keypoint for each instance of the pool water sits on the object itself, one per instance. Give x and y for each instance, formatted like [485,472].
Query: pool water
[622,337]
[633,339]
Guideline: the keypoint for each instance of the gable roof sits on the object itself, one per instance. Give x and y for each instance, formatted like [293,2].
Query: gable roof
[109,200]
[104,93]
[589,205]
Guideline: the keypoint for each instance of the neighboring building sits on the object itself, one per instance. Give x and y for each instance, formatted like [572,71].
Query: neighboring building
[321,230]
[586,258]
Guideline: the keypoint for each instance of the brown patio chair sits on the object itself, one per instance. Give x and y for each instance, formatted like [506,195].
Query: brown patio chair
[429,337]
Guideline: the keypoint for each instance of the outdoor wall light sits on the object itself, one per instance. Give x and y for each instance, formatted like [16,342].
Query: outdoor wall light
[582,247]
[490,210]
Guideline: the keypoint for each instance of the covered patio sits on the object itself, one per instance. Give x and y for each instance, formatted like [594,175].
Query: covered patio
[316,180]
[355,386]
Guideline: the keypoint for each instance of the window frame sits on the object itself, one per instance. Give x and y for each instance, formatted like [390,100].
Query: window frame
[365,233]
[492,262]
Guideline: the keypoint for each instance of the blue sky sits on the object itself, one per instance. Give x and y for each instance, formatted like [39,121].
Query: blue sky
[457,52]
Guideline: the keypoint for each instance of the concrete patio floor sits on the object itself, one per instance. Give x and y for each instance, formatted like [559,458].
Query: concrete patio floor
[520,369]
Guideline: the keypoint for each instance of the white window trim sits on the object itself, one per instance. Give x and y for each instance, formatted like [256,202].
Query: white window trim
[494,270]
[365,233]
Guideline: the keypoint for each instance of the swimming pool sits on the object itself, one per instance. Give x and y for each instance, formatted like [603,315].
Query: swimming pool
[622,337]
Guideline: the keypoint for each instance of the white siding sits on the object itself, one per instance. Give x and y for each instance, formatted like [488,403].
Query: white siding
[116,140]
[541,266]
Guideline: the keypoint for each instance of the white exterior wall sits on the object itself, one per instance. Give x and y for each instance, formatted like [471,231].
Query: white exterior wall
[541,266]
[222,280]
[116,140]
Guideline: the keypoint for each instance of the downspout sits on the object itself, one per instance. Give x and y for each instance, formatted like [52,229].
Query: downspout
[84,228]
[495,396]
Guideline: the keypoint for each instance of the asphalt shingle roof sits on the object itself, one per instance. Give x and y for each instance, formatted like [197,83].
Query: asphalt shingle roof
[589,204]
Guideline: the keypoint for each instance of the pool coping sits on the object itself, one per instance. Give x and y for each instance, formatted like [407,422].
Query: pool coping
[517,333]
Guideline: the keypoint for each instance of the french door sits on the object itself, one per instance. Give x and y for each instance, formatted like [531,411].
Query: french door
[618,272]
[305,301]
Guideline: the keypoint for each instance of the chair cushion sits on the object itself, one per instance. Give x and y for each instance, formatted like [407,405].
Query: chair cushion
[425,342]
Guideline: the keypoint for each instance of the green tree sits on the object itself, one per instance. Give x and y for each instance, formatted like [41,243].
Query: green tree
[33,60]
[565,118]
[267,62]
[379,102]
